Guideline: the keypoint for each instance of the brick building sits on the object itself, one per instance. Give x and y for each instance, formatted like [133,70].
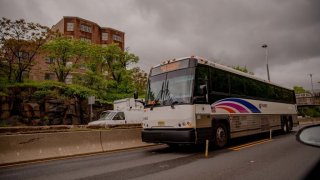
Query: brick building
[76,28]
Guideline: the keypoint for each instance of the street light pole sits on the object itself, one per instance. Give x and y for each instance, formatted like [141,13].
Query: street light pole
[311,84]
[265,46]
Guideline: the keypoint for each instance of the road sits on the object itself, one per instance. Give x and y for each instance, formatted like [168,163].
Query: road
[253,157]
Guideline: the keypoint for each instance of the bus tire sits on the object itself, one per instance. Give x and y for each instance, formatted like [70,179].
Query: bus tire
[220,135]
[284,126]
[290,125]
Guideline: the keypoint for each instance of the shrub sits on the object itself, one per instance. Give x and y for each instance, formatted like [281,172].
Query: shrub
[79,91]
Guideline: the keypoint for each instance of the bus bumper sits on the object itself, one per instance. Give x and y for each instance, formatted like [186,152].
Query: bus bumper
[178,136]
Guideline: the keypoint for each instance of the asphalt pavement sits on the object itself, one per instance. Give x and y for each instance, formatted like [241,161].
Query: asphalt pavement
[254,157]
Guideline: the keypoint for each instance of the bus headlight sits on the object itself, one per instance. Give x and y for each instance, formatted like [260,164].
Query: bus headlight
[145,125]
[185,124]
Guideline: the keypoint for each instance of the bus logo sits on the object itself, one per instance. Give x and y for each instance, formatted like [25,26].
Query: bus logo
[235,105]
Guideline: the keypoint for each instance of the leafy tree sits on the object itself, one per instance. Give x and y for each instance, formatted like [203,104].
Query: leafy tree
[299,89]
[139,79]
[242,69]
[66,54]
[117,61]
[107,72]
[20,42]
[96,62]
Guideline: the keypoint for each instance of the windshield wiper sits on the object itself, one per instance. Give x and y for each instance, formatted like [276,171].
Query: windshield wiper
[158,97]
[173,103]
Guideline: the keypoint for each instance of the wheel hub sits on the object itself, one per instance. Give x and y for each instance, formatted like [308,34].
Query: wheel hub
[220,134]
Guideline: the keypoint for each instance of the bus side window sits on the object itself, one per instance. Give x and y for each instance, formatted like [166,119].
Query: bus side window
[201,83]
[219,81]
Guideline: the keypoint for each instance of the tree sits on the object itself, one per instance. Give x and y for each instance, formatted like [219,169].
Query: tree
[139,79]
[299,89]
[108,73]
[242,69]
[96,61]
[117,61]
[20,42]
[66,54]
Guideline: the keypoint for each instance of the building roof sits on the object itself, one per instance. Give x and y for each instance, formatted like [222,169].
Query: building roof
[90,22]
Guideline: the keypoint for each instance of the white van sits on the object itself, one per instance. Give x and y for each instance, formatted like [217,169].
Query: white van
[116,117]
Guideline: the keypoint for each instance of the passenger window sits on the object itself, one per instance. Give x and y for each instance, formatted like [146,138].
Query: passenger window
[237,85]
[119,116]
[251,88]
[219,81]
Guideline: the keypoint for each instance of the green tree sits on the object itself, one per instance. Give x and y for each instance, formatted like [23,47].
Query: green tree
[96,61]
[67,54]
[117,62]
[139,79]
[108,73]
[299,89]
[20,42]
[243,69]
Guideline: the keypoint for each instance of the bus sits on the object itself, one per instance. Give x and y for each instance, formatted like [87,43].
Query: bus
[191,100]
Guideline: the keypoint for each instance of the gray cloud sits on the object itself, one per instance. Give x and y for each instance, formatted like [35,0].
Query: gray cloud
[230,32]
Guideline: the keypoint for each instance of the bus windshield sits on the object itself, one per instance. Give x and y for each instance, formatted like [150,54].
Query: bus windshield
[169,88]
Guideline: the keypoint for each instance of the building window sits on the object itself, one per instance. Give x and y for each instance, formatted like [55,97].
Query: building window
[69,64]
[85,28]
[104,36]
[25,74]
[117,38]
[69,26]
[68,79]
[49,60]
[22,54]
[49,76]
[85,39]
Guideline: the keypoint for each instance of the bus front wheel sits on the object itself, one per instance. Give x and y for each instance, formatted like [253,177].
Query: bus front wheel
[220,135]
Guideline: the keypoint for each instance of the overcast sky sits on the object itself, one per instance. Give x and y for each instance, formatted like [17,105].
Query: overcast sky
[229,32]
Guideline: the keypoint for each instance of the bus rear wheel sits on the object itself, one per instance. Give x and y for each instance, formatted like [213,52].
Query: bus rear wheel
[285,126]
[220,135]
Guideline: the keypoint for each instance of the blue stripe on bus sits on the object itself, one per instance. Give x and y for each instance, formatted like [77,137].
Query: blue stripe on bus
[250,106]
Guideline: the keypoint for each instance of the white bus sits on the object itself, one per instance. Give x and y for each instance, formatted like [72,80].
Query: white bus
[190,100]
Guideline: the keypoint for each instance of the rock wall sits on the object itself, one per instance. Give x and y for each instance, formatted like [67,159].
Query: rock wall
[21,108]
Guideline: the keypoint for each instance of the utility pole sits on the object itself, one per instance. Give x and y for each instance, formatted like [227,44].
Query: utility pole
[265,46]
[311,84]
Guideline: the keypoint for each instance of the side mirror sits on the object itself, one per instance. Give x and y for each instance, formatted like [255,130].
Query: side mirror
[135,95]
[309,135]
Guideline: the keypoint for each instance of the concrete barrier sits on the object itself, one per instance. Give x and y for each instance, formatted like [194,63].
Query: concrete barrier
[27,147]
[30,147]
[121,139]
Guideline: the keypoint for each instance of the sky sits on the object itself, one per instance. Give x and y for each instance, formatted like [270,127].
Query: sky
[229,32]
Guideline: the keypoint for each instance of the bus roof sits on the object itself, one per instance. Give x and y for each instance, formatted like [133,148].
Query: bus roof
[222,67]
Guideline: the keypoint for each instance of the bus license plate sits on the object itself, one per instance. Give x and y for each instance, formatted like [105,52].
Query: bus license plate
[161,123]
